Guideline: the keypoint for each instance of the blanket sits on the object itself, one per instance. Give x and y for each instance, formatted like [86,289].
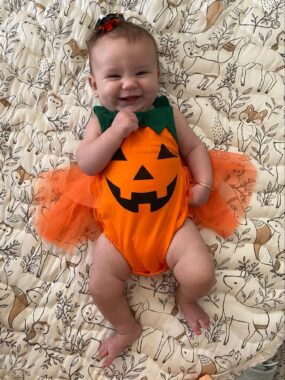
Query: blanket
[222,65]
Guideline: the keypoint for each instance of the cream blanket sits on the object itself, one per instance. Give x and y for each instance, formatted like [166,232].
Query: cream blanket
[222,65]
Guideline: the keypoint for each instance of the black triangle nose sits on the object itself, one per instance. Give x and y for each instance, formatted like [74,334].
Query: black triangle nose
[143,173]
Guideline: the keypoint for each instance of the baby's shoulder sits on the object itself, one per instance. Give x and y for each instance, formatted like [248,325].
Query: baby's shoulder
[93,127]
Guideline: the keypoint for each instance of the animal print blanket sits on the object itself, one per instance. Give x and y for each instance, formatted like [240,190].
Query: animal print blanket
[222,64]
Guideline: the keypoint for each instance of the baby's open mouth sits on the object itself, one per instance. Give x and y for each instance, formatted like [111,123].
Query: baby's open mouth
[129,98]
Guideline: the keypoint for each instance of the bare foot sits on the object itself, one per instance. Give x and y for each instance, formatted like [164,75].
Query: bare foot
[194,314]
[113,346]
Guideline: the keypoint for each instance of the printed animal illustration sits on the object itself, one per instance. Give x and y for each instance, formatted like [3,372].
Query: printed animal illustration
[168,6]
[220,363]
[8,106]
[214,9]
[27,301]
[24,63]
[54,102]
[206,61]
[252,56]
[208,365]
[90,314]
[73,62]
[42,142]
[21,177]
[5,230]
[256,319]
[228,361]
[37,333]
[250,120]
[69,265]
[72,50]
[212,248]
[279,46]
[206,120]
[64,264]
[168,334]
[93,317]
[268,233]
[33,33]
[93,10]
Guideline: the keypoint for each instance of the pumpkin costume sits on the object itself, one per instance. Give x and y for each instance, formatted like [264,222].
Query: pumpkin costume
[142,196]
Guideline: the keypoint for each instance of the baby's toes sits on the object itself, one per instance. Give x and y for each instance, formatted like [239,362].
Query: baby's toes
[103,351]
[204,321]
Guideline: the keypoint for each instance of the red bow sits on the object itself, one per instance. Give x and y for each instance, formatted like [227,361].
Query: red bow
[109,22]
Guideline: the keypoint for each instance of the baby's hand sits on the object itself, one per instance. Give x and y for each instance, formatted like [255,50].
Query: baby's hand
[125,123]
[200,195]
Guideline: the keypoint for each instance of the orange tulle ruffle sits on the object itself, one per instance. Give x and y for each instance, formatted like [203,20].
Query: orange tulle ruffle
[68,201]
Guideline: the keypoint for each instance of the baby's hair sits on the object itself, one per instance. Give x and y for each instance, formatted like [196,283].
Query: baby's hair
[131,32]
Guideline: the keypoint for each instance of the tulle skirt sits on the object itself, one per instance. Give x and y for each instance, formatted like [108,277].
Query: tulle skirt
[68,201]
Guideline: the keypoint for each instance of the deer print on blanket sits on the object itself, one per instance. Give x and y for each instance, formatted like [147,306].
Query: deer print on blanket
[220,363]
[206,117]
[92,12]
[250,120]
[252,56]
[168,8]
[169,335]
[206,60]
[37,333]
[269,233]
[21,177]
[279,45]
[73,62]
[234,311]
[66,265]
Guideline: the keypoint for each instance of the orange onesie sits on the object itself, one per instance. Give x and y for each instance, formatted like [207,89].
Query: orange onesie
[143,199]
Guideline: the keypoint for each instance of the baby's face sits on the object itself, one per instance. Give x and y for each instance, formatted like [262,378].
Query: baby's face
[125,74]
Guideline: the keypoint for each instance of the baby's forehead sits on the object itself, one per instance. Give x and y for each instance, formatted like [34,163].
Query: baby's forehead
[132,40]
[107,46]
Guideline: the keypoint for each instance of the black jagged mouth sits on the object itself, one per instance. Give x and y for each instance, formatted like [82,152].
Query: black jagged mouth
[142,198]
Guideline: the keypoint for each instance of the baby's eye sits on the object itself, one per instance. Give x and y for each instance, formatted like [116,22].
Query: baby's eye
[113,76]
[141,73]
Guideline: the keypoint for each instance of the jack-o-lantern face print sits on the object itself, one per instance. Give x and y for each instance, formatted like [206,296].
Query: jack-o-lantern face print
[143,172]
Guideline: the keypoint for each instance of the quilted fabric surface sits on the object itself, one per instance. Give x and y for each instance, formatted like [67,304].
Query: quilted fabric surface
[222,65]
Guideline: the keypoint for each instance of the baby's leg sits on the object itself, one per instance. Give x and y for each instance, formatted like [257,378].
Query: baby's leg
[193,267]
[106,284]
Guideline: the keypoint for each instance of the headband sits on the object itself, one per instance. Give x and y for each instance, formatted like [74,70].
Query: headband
[109,22]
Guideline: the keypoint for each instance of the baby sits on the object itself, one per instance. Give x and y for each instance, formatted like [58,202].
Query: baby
[146,231]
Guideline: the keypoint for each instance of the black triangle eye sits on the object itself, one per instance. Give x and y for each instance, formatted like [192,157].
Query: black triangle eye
[119,156]
[164,153]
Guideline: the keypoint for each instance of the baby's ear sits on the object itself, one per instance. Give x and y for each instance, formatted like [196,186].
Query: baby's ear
[92,83]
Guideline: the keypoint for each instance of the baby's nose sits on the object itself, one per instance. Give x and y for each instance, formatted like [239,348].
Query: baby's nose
[129,82]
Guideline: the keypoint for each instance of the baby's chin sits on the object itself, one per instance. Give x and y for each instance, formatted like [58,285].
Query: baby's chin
[135,107]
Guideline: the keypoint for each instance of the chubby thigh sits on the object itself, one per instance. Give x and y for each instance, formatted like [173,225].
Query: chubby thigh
[189,258]
[108,266]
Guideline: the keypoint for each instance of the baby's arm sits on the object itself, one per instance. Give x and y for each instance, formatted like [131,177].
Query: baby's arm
[196,156]
[96,150]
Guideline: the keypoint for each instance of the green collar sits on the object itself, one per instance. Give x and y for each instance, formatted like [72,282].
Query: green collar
[158,118]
